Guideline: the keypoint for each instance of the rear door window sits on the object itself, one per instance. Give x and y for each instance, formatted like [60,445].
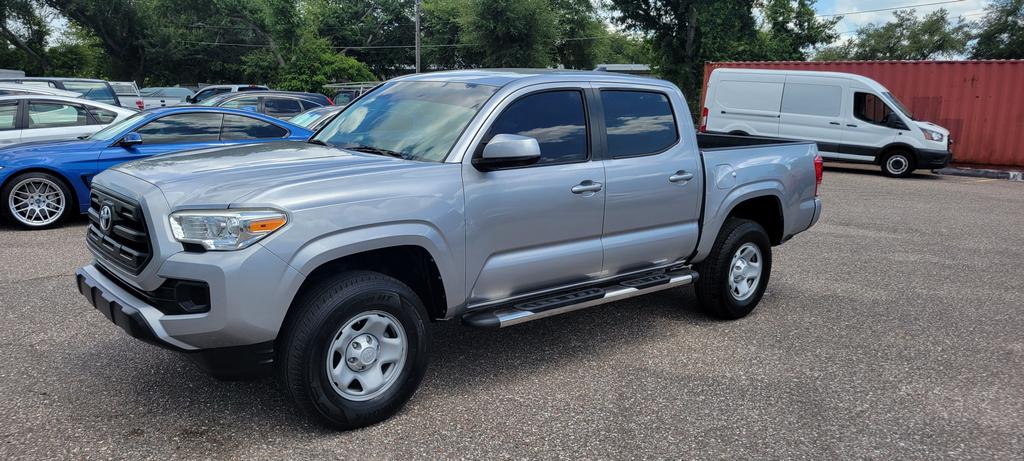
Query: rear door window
[281,107]
[55,114]
[638,122]
[102,116]
[556,119]
[8,115]
[182,128]
[237,127]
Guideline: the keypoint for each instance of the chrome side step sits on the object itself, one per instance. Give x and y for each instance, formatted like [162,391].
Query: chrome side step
[536,309]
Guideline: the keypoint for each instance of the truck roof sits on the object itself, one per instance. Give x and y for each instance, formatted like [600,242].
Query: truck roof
[503,77]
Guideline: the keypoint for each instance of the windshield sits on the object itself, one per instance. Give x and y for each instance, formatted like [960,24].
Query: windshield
[899,105]
[419,120]
[307,118]
[97,91]
[113,130]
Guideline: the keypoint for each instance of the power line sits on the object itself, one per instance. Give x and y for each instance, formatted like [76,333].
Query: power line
[364,47]
[889,9]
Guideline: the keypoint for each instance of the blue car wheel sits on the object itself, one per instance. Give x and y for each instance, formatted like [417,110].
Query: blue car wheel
[36,200]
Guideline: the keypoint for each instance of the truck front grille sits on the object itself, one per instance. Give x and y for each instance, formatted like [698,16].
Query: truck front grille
[117,231]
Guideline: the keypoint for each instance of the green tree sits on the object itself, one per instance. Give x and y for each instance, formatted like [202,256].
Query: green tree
[908,37]
[443,29]
[377,32]
[581,34]
[1000,33]
[23,34]
[511,33]
[791,29]
[120,27]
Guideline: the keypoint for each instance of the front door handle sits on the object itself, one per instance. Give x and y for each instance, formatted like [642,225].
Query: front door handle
[833,123]
[586,186]
[680,176]
[851,125]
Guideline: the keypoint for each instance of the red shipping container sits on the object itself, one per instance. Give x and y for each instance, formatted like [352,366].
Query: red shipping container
[981,103]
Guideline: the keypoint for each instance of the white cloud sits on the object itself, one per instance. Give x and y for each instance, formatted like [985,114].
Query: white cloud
[968,9]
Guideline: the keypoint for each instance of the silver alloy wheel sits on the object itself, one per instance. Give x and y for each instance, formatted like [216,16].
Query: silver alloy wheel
[745,271]
[366,355]
[897,164]
[36,202]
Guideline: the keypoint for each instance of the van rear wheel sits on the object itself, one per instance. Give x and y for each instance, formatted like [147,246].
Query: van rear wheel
[898,164]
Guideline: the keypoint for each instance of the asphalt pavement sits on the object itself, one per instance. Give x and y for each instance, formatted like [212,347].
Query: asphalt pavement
[891,330]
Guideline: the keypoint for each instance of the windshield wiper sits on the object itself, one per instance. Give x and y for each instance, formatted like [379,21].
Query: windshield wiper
[375,150]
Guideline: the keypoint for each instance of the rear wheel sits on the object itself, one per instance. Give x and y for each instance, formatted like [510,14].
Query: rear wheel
[898,164]
[355,350]
[36,200]
[734,276]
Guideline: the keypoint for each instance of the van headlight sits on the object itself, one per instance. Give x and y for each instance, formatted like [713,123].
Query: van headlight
[932,135]
[225,229]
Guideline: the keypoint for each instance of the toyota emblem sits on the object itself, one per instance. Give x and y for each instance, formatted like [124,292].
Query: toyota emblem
[106,217]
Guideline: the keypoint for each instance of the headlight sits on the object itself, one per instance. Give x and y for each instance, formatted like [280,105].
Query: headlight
[931,135]
[225,229]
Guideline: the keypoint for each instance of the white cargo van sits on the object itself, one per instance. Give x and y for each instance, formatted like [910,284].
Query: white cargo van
[851,117]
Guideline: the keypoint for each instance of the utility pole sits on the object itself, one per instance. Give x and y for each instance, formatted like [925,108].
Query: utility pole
[417,36]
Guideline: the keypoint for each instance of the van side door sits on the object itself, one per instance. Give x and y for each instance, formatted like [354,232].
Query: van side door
[812,109]
[654,182]
[868,129]
[745,103]
[538,226]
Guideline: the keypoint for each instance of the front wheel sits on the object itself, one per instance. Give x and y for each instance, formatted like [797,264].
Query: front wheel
[355,350]
[897,164]
[36,200]
[734,276]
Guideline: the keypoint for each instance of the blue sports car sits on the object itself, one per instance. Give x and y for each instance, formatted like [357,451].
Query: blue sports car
[40,183]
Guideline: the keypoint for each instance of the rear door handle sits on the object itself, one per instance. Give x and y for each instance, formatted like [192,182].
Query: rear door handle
[680,176]
[586,186]
[851,125]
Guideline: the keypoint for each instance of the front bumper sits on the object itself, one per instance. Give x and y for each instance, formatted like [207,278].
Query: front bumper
[929,159]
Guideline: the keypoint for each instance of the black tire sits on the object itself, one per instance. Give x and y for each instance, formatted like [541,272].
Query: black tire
[67,197]
[713,288]
[898,164]
[303,346]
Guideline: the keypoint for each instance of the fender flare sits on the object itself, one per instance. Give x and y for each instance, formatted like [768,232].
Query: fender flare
[715,215]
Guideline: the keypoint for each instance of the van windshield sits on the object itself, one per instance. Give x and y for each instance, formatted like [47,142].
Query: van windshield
[413,120]
[899,105]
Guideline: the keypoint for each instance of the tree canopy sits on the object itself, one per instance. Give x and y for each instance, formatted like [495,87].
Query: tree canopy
[909,37]
[1000,34]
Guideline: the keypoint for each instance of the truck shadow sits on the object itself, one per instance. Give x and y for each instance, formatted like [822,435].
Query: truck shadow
[873,170]
[168,388]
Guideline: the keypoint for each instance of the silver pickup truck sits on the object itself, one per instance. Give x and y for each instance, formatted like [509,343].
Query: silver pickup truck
[494,197]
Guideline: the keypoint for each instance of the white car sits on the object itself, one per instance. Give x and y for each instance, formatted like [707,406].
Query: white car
[851,117]
[26,118]
[210,91]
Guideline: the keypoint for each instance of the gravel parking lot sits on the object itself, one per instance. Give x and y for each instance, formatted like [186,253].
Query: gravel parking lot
[893,329]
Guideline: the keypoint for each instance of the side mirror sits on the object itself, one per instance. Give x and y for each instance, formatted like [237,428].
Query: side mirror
[895,123]
[508,151]
[190,99]
[131,140]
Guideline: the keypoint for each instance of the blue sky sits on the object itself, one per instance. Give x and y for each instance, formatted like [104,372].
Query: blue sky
[969,9]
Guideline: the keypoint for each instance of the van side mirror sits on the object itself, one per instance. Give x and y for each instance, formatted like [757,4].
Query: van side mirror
[895,123]
[508,151]
[131,140]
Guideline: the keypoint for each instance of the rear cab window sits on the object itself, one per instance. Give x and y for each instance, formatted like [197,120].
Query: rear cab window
[638,122]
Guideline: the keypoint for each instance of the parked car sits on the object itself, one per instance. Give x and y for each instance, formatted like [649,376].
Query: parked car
[281,104]
[210,91]
[496,197]
[316,118]
[344,93]
[87,88]
[851,117]
[42,183]
[31,117]
[165,96]
[14,89]
[128,94]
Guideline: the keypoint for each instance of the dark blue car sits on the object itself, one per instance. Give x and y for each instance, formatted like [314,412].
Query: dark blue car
[40,183]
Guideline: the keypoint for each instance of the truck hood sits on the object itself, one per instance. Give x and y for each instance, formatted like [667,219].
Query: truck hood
[222,176]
